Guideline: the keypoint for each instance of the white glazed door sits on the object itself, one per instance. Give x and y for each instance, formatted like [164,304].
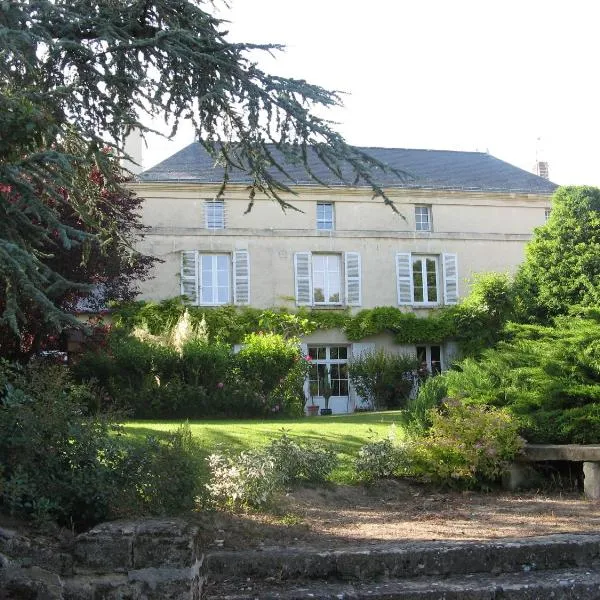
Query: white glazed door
[330,362]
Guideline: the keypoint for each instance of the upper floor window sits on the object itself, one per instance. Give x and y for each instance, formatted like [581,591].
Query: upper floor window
[325,216]
[423,218]
[214,214]
[547,212]
[327,279]
[207,279]
[214,279]
[426,279]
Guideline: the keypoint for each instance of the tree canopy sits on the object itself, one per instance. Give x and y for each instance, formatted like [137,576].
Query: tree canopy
[91,72]
[562,265]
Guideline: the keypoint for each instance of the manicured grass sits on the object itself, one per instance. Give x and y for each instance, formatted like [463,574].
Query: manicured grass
[344,433]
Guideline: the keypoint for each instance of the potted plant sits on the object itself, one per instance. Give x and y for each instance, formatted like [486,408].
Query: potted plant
[326,392]
[312,408]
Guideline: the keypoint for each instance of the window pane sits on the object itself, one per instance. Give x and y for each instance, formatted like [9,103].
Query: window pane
[418,280]
[222,262]
[343,352]
[223,278]
[344,387]
[333,352]
[222,295]
[436,359]
[319,262]
[432,294]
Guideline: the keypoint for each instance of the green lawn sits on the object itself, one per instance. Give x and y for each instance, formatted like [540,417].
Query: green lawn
[344,433]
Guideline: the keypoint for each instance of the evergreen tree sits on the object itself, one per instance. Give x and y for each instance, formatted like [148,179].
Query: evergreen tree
[562,265]
[91,71]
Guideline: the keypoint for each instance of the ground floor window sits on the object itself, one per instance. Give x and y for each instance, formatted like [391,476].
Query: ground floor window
[328,363]
[430,357]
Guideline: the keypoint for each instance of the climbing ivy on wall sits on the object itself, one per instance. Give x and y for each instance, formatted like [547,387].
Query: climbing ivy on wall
[230,324]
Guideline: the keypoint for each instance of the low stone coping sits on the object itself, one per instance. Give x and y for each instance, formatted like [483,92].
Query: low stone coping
[572,452]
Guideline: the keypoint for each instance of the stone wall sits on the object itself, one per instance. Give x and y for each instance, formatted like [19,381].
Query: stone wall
[138,560]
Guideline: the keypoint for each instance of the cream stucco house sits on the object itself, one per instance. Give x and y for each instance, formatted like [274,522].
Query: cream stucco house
[461,213]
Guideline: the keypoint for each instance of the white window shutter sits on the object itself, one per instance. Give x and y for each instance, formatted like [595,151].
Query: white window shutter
[353,279]
[189,275]
[241,277]
[450,266]
[303,277]
[404,278]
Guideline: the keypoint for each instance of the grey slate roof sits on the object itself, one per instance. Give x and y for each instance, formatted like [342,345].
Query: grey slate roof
[430,169]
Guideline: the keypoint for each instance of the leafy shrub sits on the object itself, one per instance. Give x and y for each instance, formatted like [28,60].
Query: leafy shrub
[62,464]
[247,479]
[197,379]
[547,376]
[379,459]
[417,416]
[466,445]
[385,379]
[157,476]
[296,462]
[251,478]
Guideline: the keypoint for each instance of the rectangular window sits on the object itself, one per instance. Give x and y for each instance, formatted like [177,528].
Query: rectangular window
[327,278]
[427,279]
[325,216]
[214,278]
[423,218]
[425,276]
[547,212]
[214,214]
[431,358]
[328,364]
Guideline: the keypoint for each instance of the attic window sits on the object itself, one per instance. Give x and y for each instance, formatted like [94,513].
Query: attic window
[214,214]
[423,218]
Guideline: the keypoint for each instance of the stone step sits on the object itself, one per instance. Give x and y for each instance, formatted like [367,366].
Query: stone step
[567,584]
[407,560]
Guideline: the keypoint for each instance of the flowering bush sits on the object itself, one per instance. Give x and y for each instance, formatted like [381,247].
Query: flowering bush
[465,446]
[470,445]
[251,478]
[297,462]
[247,479]
[378,459]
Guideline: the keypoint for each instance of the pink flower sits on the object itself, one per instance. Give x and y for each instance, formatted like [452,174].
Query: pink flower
[308,357]
[220,385]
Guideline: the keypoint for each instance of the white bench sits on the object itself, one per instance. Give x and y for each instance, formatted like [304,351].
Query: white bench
[589,455]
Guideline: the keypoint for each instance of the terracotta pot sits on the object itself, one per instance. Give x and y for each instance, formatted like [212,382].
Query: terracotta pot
[312,410]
